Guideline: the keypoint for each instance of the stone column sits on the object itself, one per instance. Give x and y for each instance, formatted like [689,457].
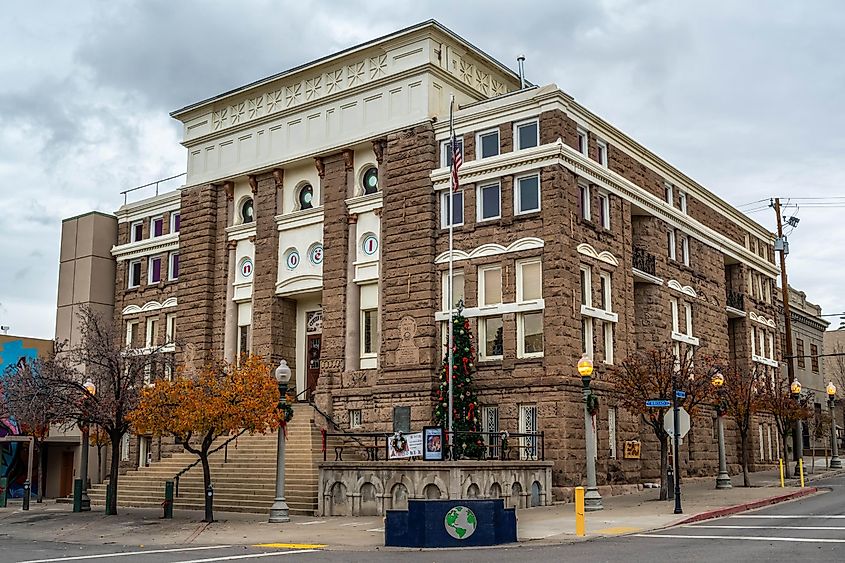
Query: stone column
[352,354]
[230,336]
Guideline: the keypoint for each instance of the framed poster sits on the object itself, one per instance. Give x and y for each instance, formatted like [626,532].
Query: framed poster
[433,443]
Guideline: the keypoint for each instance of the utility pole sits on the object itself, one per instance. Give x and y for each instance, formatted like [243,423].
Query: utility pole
[797,438]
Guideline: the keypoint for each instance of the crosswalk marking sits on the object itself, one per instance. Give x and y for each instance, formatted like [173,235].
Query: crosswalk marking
[725,527]
[311,522]
[249,556]
[292,545]
[789,516]
[747,538]
[125,554]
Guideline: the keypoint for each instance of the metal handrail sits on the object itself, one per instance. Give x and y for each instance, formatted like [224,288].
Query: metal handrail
[125,193]
[195,463]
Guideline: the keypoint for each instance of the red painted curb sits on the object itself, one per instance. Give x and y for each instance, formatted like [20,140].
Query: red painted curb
[728,510]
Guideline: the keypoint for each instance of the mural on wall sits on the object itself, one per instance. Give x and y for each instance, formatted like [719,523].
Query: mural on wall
[13,465]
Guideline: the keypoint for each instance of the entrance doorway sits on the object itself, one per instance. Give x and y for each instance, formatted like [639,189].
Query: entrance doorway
[313,356]
[66,475]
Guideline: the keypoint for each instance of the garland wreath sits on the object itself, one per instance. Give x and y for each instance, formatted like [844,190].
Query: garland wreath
[398,442]
[592,404]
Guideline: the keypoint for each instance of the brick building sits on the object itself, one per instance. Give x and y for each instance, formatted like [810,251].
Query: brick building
[312,227]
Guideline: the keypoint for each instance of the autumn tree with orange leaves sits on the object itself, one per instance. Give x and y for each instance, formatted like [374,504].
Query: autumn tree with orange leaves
[652,374]
[217,401]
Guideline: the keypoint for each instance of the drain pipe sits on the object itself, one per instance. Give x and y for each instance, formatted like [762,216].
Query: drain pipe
[521,62]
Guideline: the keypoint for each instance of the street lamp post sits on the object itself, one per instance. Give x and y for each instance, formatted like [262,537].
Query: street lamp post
[723,479]
[592,498]
[835,462]
[279,512]
[85,504]
[795,389]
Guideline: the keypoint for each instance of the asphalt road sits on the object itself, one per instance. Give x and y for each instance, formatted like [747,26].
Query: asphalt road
[810,529]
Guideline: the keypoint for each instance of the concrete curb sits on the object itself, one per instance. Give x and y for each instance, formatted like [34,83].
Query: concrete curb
[728,510]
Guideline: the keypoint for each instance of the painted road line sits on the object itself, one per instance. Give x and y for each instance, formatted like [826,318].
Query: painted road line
[746,538]
[617,531]
[291,545]
[789,516]
[718,527]
[312,522]
[376,530]
[249,556]
[125,554]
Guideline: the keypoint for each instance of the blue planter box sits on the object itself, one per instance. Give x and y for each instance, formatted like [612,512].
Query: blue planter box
[451,523]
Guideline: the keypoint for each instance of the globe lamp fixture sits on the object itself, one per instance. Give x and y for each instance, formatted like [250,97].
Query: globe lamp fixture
[795,387]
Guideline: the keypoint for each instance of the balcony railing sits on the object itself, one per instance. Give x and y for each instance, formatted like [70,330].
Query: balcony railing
[736,300]
[644,261]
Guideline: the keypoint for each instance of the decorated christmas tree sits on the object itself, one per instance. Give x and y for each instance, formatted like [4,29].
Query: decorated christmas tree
[465,416]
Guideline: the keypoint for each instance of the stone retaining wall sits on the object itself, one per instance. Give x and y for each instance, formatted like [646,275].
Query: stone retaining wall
[360,488]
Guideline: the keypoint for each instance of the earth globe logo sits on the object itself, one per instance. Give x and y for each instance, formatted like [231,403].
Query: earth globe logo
[460,522]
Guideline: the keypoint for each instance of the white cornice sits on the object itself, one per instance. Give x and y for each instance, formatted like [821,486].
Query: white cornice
[145,208]
[603,256]
[364,203]
[301,218]
[561,154]
[150,306]
[492,249]
[240,232]
[146,247]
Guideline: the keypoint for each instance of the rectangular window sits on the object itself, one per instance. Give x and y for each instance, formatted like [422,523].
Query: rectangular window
[457,289]
[354,418]
[762,334]
[369,331]
[528,425]
[124,448]
[769,440]
[529,280]
[527,135]
[490,429]
[584,196]
[688,318]
[152,333]
[487,144]
[685,250]
[668,194]
[490,285]
[672,245]
[136,231]
[243,340]
[490,329]
[814,357]
[131,333]
[762,451]
[457,214]
[157,226]
[682,201]
[170,328]
[611,431]
[799,347]
[604,210]
[154,270]
[489,202]
[583,143]
[530,335]
[754,341]
[173,266]
[586,286]
[675,323]
[134,268]
[446,151]
[771,355]
[528,194]
[601,155]
[587,336]
[175,217]
[607,337]
[606,291]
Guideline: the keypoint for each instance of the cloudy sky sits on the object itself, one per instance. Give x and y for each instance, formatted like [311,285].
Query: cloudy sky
[746,97]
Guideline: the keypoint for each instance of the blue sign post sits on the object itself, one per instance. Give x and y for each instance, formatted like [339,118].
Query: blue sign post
[680,394]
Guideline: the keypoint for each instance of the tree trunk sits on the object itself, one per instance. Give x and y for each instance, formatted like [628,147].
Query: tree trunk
[786,473]
[99,463]
[743,444]
[40,474]
[206,480]
[664,463]
[111,506]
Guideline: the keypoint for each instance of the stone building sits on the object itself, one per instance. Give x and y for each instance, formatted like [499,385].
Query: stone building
[808,337]
[312,227]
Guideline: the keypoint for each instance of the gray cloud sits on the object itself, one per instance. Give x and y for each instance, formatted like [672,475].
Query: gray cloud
[744,97]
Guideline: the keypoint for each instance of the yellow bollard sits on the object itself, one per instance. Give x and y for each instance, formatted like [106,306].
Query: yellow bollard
[781,472]
[580,528]
[801,468]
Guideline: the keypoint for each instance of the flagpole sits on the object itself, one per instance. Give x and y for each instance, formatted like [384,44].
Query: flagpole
[450,294]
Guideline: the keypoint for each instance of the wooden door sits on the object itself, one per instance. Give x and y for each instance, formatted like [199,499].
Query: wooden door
[313,358]
[66,476]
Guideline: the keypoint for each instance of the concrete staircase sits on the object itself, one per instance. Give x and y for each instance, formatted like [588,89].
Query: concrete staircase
[244,483]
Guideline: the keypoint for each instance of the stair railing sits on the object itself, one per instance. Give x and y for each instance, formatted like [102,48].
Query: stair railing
[195,463]
[342,431]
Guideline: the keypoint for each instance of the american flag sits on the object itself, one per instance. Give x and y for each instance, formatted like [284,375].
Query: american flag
[457,160]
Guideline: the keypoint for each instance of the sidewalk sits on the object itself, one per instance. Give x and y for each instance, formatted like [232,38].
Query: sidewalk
[553,524]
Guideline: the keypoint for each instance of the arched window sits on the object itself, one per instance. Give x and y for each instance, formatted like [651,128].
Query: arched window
[247,211]
[370,180]
[305,197]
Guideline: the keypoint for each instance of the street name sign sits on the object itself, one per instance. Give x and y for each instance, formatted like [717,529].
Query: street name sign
[657,403]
